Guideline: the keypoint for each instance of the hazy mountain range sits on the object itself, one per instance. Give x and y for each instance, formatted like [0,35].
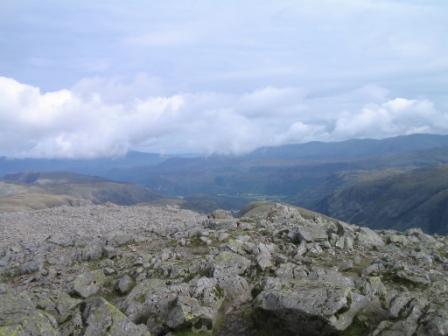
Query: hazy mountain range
[396,182]
[32,191]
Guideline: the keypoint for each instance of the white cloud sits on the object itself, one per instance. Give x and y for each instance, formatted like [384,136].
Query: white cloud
[100,117]
[393,117]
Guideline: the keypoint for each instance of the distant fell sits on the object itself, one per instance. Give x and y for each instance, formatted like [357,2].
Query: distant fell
[351,149]
[25,191]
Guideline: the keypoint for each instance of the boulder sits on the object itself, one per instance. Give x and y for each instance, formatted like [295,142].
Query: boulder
[174,307]
[186,311]
[104,319]
[236,288]
[125,284]
[434,322]
[91,252]
[264,256]
[230,263]
[311,307]
[368,238]
[308,232]
[89,283]
[220,219]
[19,316]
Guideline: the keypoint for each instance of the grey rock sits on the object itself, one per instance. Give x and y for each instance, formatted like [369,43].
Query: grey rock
[236,288]
[186,311]
[125,284]
[301,249]
[368,238]
[221,214]
[220,219]
[434,322]
[398,303]
[415,276]
[178,306]
[282,271]
[264,256]
[314,309]
[109,271]
[346,265]
[373,287]
[19,316]
[30,267]
[121,239]
[89,283]
[103,319]
[406,326]
[223,236]
[91,252]
[230,263]
[397,239]
[308,233]
[109,251]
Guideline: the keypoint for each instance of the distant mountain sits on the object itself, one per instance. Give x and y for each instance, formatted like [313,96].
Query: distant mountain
[24,191]
[417,198]
[351,149]
[279,156]
[313,175]
[284,177]
[100,166]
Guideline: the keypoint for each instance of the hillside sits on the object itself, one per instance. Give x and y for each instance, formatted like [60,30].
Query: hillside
[418,198]
[354,149]
[285,171]
[25,191]
[231,182]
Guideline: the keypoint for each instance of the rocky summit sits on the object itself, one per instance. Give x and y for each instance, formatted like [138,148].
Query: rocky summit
[273,270]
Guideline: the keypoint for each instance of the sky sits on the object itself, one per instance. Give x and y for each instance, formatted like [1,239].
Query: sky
[84,79]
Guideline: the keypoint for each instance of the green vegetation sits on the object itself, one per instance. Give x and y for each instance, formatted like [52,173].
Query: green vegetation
[415,198]
[32,191]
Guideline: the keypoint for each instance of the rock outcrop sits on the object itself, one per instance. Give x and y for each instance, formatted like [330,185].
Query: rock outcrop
[274,270]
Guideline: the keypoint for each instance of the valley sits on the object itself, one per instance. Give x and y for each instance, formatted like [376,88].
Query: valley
[391,183]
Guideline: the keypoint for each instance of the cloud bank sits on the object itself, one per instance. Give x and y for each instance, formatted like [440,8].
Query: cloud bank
[100,117]
[207,77]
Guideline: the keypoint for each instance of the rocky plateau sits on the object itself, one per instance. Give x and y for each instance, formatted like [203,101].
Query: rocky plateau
[273,269]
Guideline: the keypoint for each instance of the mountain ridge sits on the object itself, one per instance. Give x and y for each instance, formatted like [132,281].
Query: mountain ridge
[283,173]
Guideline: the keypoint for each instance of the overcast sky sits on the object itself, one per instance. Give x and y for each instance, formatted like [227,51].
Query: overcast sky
[97,78]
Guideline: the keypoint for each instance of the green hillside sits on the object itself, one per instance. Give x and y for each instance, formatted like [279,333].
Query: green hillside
[417,198]
[25,191]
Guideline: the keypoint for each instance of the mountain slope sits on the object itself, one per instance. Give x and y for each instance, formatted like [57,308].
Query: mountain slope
[41,190]
[351,149]
[417,198]
[97,166]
